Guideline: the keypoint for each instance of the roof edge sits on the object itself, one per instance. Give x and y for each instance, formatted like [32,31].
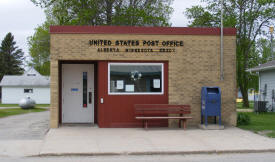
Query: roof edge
[141,30]
[261,69]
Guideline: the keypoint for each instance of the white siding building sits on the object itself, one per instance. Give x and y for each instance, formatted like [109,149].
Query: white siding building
[30,84]
[266,82]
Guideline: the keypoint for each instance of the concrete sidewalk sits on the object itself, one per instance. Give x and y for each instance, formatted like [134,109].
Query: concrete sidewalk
[133,141]
[245,110]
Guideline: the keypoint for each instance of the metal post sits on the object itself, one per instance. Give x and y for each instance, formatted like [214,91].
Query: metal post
[272,99]
[221,57]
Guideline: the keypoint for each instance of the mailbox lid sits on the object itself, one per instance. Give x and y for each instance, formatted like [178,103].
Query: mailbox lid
[213,90]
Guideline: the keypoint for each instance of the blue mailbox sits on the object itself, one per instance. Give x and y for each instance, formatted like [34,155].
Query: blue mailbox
[210,103]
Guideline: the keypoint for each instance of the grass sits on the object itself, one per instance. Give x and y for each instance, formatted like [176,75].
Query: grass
[240,105]
[272,134]
[16,105]
[17,111]
[261,122]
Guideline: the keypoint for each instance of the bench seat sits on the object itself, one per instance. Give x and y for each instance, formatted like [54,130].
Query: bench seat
[146,112]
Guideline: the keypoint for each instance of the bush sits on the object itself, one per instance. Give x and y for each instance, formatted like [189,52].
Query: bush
[243,119]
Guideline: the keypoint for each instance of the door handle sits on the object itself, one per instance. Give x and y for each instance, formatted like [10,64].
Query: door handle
[90,97]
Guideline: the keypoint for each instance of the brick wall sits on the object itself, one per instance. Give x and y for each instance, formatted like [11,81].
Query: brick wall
[192,66]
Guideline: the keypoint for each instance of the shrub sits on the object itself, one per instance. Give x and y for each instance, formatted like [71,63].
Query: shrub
[243,119]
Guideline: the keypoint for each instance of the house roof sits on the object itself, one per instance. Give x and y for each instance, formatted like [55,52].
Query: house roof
[29,78]
[140,30]
[263,67]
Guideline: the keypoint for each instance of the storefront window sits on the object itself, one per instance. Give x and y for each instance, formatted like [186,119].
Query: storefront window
[135,78]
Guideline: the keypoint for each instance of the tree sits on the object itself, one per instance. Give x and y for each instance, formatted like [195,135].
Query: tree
[11,58]
[249,17]
[39,49]
[109,12]
[93,12]
[260,53]
[264,49]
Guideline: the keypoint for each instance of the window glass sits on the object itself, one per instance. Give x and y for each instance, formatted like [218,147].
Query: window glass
[125,78]
[85,94]
[28,90]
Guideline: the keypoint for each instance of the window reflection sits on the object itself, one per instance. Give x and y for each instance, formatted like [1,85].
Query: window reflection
[136,78]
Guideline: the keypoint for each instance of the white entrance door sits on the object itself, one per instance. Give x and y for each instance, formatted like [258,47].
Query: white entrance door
[77,93]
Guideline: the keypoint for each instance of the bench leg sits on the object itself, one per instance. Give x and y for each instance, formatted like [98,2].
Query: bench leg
[184,124]
[146,124]
[179,123]
[143,123]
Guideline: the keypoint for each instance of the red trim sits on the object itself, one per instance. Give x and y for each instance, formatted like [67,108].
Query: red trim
[139,30]
[117,111]
[60,63]
[95,93]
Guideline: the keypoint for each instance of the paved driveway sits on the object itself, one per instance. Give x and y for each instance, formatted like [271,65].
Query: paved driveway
[22,135]
[31,126]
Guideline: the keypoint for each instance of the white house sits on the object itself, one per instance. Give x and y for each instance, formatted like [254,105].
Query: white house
[251,94]
[30,84]
[266,82]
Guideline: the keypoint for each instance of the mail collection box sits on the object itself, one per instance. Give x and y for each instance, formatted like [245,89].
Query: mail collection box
[210,103]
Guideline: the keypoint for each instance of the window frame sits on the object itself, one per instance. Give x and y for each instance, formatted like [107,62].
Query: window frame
[137,93]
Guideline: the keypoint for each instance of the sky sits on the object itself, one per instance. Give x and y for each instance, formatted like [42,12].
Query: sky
[21,17]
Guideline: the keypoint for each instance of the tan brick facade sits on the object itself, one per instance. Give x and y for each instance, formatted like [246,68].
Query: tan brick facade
[192,66]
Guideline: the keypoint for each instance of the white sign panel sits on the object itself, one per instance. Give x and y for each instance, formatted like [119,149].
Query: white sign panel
[130,88]
[156,83]
[119,84]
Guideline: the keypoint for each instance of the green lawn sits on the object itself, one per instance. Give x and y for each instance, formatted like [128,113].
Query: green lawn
[16,105]
[17,111]
[240,105]
[261,122]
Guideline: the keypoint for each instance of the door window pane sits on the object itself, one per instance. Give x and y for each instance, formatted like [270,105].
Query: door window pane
[85,93]
[134,78]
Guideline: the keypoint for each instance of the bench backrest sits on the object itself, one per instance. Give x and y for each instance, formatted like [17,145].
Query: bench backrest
[161,109]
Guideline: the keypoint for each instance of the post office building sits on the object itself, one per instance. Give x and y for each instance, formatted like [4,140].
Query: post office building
[98,73]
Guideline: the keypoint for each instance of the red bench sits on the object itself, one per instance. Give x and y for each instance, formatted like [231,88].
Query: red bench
[146,112]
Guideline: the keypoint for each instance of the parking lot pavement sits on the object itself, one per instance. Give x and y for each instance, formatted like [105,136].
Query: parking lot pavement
[22,135]
[19,107]
[9,107]
[31,126]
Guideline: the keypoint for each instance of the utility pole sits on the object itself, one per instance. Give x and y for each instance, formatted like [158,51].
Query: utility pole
[271,30]
[221,56]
